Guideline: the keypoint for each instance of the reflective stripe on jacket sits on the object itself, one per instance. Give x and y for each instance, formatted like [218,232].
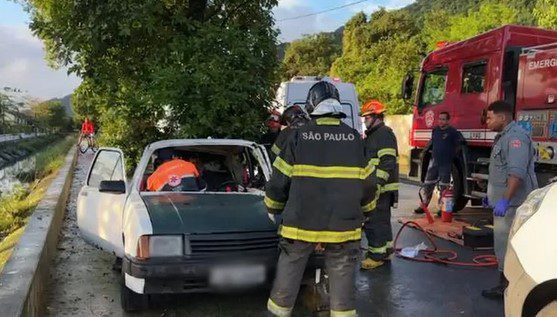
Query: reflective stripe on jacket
[381,148]
[321,183]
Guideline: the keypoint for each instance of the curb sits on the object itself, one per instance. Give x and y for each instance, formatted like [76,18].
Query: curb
[25,276]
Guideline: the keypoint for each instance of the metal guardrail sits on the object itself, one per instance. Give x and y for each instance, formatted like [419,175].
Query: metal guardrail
[18,136]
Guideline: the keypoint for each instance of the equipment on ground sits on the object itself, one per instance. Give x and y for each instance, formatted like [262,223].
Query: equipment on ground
[433,254]
[447,204]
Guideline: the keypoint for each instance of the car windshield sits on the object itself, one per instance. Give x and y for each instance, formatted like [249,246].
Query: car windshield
[204,168]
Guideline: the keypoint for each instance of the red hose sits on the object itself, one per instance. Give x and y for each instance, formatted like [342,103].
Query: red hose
[433,255]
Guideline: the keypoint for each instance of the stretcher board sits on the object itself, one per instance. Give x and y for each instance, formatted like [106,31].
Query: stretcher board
[451,231]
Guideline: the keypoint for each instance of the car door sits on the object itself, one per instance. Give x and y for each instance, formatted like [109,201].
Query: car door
[260,152]
[99,214]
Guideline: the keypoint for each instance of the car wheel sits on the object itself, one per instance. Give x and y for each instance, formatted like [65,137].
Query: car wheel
[130,300]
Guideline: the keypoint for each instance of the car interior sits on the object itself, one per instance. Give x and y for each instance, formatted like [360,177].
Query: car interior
[222,168]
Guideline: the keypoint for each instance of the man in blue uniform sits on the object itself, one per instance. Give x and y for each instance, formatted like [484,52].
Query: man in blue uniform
[445,144]
[511,179]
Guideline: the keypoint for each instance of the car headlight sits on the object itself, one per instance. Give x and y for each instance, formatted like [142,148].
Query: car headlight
[150,246]
[528,208]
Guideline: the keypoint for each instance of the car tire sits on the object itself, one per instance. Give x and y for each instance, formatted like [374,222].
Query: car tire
[130,300]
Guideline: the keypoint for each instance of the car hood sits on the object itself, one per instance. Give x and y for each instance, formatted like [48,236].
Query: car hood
[172,213]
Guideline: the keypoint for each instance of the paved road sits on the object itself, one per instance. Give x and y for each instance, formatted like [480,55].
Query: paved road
[83,283]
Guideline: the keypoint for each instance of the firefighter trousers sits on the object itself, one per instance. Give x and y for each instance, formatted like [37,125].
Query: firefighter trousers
[378,229]
[340,263]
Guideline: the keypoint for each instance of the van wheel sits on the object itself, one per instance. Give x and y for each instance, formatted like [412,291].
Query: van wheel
[132,301]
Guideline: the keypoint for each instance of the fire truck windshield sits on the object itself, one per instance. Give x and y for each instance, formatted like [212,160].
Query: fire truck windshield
[433,88]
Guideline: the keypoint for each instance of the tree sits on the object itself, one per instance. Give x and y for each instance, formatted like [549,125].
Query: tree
[164,69]
[440,26]
[311,55]
[51,115]
[377,54]
[545,12]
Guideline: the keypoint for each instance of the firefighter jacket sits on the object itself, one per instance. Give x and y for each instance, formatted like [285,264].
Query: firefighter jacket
[280,142]
[283,137]
[381,148]
[321,183]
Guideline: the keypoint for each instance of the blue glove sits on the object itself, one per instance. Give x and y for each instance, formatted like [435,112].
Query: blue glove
[501,207]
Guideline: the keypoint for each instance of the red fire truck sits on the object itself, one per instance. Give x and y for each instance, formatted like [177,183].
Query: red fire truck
[513,63]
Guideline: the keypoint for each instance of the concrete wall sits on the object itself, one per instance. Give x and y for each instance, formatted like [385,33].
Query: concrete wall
[402,125]
[25,276]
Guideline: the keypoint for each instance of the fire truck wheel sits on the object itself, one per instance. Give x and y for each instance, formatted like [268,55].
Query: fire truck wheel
[460,201]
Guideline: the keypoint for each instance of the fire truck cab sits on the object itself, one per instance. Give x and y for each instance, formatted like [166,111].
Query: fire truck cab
[513,63]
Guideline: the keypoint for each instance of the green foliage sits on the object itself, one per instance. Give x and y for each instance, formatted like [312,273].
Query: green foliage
[51,115]
[545,12]
[377,54]
[18,205]
[311,55]
[441,26]
[164,69]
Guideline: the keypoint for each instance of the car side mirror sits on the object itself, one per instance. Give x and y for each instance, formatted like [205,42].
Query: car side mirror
[114,187]
[407,87]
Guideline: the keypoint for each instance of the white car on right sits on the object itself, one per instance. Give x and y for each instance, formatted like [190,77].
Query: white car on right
[531,259]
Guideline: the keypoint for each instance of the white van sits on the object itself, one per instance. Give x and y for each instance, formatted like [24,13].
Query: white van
[295,91]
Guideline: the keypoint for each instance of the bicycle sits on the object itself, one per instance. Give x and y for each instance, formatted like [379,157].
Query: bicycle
[88,142]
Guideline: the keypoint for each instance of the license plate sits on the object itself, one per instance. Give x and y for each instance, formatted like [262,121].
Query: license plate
[237,276]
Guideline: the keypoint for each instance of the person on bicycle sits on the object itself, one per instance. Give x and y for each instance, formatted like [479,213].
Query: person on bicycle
[87,130]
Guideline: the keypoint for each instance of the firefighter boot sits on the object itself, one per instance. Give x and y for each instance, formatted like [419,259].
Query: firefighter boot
[370,264]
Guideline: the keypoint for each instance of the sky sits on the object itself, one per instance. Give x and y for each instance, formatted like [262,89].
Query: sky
[22,63]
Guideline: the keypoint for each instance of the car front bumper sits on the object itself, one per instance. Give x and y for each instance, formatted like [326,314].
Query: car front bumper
[523,293]
[193,274]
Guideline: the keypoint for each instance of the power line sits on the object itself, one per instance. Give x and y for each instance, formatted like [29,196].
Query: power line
[324,11]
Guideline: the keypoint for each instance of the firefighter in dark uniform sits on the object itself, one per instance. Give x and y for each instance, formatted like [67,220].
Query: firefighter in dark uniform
[322,186]
[273,130]
[293,117]
[381,148]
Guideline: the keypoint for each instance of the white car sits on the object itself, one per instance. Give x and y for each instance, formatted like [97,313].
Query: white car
[531,259]
[214,237]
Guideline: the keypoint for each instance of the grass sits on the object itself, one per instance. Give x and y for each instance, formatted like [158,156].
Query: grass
[16,207]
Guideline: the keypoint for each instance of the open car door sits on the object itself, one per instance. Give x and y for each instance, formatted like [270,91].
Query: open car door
[260,152]
[100,204]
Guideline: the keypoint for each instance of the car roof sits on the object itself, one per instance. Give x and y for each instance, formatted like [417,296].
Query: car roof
[192,142]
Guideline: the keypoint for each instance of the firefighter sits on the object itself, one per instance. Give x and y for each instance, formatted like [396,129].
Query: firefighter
[293,117]
[322,186]
[511,179]
[445,143]
[381,148]
[273,130]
